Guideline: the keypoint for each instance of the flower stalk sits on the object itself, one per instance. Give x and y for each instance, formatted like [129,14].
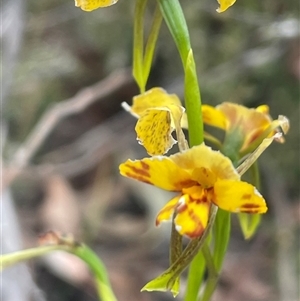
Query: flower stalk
[175,20]
[80,250]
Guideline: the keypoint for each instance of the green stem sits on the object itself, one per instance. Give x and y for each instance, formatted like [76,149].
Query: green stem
[193,102]
[97,267]
[104,290]
[195,277]
[138,44]
[255,175]
[221,240]
[10,259]
[212,275]
[175,20]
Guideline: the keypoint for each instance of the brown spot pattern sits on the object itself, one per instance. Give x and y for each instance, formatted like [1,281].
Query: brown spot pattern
[145,166]
[139,171]
[198,225]
[137,177]
[247,197]
[250,208]
[197,222]
[186,183]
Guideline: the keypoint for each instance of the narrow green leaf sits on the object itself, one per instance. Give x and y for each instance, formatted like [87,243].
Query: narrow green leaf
[175,20]
[162,283]
[151,43]
[138,44]
[193,102]
[168,280]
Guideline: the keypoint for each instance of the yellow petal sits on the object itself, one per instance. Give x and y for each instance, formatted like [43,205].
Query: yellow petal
[214,117]
[237,196]
[166,213]
[153,98]
[224,4]
[204,176]
[203,156]
[89,5]
[154,131]
[263,109]
[159,114]
[192,214]
[159,171]
[251,123]
[247,119]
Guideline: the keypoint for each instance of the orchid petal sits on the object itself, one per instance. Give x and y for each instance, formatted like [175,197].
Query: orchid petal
[238,196]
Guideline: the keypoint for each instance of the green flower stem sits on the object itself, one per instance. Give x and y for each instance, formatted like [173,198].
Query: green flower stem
[195,277]
[193,102]
[212,275]
[151,43]
[175,20]
[10,259]
[221,236]
[221,240]
[255,175]
[138,44]
[97,267]
[105,292]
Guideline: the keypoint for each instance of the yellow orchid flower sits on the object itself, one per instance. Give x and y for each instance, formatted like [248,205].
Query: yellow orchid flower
[248,126]
[89,5]
[202,177]
[159,114]
[224,5]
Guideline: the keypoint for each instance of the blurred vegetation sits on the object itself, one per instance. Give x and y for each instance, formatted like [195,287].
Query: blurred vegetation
[248,55]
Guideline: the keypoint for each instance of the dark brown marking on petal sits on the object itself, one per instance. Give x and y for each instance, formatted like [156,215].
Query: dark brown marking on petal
[186,183]
[145,165]
[250,208]
[137,177]
[196,220]
[255,136]
[181,208]
[247,197]
[197,233]
[139,171]
[198,225]
[202,200]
